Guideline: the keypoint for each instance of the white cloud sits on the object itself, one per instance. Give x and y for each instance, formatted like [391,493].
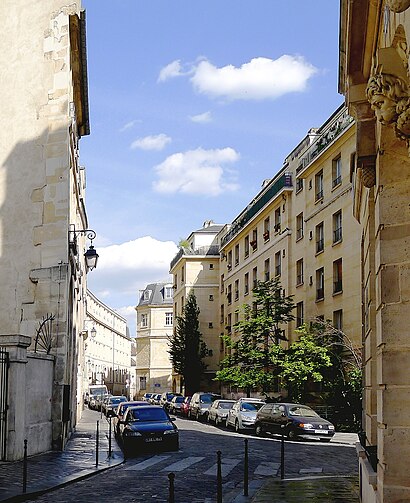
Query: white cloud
[152,142]
[129,125]
[124,269]
[202,118]
[197,172]
[261,78]
[171,71]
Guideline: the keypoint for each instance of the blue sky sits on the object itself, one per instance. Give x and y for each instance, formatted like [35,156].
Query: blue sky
[193,104]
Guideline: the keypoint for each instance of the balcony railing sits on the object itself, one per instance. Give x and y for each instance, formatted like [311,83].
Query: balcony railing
[201,250]
[284,181]
[337,286]
[319,245]
[337,235]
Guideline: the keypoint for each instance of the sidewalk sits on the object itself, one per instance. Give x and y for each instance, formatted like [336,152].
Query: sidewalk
[54,469]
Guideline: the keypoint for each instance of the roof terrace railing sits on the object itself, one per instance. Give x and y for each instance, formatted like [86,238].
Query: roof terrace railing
[201,250]
[284,181]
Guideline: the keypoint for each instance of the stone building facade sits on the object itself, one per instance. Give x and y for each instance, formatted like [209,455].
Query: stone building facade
[154,326]
[374,77]
[300,230]
[42,200]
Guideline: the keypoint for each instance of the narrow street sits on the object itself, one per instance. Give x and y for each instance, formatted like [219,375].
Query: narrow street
[145,477]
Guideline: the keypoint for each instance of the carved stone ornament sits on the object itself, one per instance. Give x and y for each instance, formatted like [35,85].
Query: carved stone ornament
[398,5]
[388,92]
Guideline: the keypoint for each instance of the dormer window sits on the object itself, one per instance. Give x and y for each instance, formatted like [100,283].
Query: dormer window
[147,294]
[168,292]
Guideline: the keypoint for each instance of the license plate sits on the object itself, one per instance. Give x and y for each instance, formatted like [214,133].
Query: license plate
[322,432]
[153,439]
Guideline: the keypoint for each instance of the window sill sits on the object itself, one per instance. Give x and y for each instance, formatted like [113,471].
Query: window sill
[337,242]
[334,187]
[319,300]
[320,200]
[335,294]
[299,238]
[299,284]
[319,252]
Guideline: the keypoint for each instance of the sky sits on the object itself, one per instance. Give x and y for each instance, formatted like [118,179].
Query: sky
[193,103]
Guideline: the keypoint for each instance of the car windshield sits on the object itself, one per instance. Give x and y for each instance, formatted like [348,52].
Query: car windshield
[148,415]
[302,411]
[118,400]
[225,405]
[179,399]
[251,406]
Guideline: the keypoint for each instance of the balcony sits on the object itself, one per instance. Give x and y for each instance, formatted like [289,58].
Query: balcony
[202,250]
[283,182]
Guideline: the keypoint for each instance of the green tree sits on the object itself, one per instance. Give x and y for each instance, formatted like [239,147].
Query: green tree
[253,357]
[186,347]
[305,360]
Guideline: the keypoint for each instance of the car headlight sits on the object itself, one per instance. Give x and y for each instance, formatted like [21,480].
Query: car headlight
[306,426]
[170,432]
[130,433]
[331,427]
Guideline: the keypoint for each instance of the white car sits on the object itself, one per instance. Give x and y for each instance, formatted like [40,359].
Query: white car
[242,416]
[218,411]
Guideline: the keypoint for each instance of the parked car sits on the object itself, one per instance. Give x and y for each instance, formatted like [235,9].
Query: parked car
[155,399]
[242,416]
[218,411]
[185,406]
[166,398]
[176,404]
[294,420]
[148,426]
[112,403]
[121,409]
[200,403]
[97,401]
[147,396]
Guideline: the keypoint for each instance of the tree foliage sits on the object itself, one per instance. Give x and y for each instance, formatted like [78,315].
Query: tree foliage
[253,356]
[186,347]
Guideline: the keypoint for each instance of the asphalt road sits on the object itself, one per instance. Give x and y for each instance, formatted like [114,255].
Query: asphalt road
[145,477]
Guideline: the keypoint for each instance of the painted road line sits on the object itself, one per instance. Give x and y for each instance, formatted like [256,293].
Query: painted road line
[179,466]
[227,465]
[147,463]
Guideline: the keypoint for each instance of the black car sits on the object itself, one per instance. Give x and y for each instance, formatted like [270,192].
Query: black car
[148,426]
[293,420]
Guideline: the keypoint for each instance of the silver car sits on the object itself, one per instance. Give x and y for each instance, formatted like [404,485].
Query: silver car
[242,416]
[218,411]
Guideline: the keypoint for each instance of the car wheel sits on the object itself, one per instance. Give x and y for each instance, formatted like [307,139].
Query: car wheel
[259,431]
[237,429]
[325,439]
[208,419]
[291,434]
[217,421]
[227,423]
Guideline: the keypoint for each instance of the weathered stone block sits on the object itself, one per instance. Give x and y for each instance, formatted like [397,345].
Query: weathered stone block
[393,366]
[394,407]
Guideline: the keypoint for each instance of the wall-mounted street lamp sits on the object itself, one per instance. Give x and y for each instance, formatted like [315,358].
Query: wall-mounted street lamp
[91,255]
[93,332]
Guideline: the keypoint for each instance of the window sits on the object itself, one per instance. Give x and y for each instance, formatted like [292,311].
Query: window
[211,266]
[211,298]
[168,292]
[210,325]
[336,172]
[237,289]
[255,276]
[299,184]
[319,186]
[337,276]
[254,242]
[246,247]
[299,272]
[277,220]
[320,284]
[299,314]
[338,319]
[337,227]
[236,318]
[222,283]
[144,320]
[320,237]
[267,269]
[236,254]
[266,229]
[147,294]
[229,323]
[143,383]
[222,313]
[278,263]
[168,319]
[229,260]
[299,226]
[246,284]
[182,274]
[229,294]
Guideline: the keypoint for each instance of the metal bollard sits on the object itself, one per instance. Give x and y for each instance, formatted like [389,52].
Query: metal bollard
[218,478]
[246,471]
[96,443]
[282,456]
[171,498]
[109,440]
[25,468]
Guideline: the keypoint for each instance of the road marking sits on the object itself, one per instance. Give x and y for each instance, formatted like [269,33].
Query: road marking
[267,468]
[310,470]
[147,463]
[181,465]
[227,465]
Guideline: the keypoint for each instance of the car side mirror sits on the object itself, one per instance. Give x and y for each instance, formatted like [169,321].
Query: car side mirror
[173,419]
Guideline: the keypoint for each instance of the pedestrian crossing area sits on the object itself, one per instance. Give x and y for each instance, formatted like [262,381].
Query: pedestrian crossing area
[204,465]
